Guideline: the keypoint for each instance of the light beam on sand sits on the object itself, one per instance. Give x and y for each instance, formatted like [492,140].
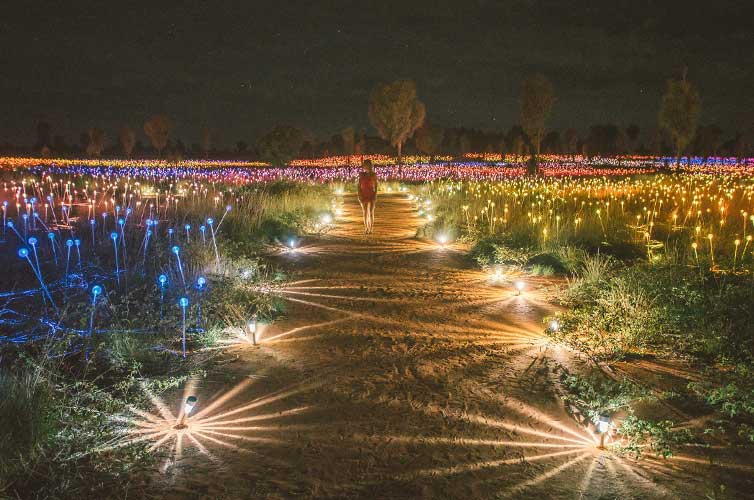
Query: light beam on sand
[217,424]
[547,475]
[458,469]
[340,297]
[479,442]
[304,328]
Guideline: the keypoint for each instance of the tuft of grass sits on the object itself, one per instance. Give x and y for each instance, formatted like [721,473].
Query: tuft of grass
[26,397]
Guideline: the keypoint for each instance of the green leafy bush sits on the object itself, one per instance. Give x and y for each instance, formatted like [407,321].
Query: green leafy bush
[661,307]
[598,395]
[731,393]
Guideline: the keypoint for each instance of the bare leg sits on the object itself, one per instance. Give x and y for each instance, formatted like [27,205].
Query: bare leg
[364,215]
[368,216]
[371,215]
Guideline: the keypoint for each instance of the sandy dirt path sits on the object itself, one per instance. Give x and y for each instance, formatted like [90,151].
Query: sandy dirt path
[400,371]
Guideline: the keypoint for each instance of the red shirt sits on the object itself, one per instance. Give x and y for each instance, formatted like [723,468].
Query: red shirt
[367,186]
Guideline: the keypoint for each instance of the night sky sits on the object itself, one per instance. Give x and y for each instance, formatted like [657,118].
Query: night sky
[242,67]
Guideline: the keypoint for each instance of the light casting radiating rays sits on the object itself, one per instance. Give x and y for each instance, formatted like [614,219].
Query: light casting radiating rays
[221,422]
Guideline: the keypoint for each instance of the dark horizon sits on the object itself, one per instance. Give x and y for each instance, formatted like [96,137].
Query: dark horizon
[242,70]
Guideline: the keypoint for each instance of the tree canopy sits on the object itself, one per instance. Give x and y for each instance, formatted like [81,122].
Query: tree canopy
[537,98]
[96,142]
[429,139]
[280,145]
[679,112]
[127,140]
[396,112]
[158,129]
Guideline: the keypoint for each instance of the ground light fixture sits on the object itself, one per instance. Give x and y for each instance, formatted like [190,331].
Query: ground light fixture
[292,245]
[497,274]
[326,219]
[520,285]
[603,426]
[443,239]
[554,325]
[251,328]
[188,407]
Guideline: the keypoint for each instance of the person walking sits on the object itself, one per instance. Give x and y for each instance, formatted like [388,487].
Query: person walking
[367,194]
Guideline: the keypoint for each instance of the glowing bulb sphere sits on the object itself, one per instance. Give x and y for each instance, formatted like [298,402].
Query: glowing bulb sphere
[32,241]
[96,290]
[183,302]
[23,253]
[113,236]
[603,424]
[162,280]
[176,249]
[189,405]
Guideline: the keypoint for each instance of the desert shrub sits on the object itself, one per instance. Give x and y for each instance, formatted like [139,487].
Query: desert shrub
[127,351]
[52,434]
[730,391]
[662,307]
[508,248]
[658,437]
[546,264]
[276,211]
[25,402]
[598,395]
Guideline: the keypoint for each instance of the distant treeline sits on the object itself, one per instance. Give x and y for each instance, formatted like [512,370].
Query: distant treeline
[604,139]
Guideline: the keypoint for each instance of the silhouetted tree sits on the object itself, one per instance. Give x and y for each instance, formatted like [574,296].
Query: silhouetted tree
[59,144]
[84,141]
[242,147]
[464,144]
[552,143]
[516,141]
[679,113]
[708,140]
[43,135]
[606,139]
[180,148]
[361,145]
[96,142]
[280,145]
[206,141]
[396,112]
[632,132]
[127,140]
[348,139]
[570,141]
[537,98]
[429,139]
[741,146]
[158,130]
